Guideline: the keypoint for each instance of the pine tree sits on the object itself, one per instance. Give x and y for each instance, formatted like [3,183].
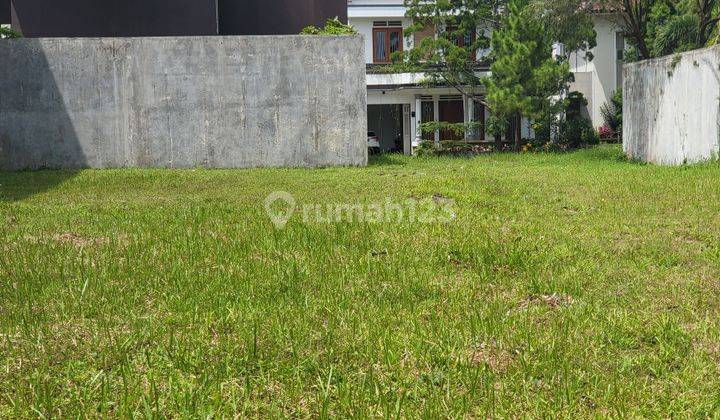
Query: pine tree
[526,78]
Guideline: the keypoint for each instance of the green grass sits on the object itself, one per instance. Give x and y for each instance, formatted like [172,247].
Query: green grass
[576,284]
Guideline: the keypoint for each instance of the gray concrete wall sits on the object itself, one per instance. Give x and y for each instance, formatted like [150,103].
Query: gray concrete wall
[671,108]
[218,102]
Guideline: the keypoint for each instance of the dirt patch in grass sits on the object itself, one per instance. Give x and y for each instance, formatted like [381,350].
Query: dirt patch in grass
[493,356]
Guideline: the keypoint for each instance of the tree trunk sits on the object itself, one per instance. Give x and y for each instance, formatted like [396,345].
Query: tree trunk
[498,143]
[635,17]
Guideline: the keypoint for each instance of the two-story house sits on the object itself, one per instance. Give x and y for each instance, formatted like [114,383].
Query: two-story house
[398,102]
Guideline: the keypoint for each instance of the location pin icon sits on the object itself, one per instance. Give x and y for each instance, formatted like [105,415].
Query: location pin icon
[280,206]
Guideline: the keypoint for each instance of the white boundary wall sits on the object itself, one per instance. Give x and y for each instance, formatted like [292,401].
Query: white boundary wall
[672,108]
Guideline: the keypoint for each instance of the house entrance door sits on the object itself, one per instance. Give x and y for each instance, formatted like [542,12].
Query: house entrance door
[451,111]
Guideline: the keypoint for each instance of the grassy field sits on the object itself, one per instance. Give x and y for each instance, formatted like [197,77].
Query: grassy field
[576,284]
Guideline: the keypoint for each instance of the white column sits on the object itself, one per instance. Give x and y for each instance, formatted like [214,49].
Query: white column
[417,133]
[408,127]
[469,115]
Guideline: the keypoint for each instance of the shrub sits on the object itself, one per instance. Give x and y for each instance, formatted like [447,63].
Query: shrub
[6,33]
[452,148]
[332,27]
[577,130]
[426,148]
[612,113]
[606,133]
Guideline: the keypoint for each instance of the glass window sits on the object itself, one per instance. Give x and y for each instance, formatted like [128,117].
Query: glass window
[395,42]
[380,54]
[385,42]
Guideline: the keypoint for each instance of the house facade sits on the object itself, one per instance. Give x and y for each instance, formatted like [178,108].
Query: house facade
[398,102]
[122,18]
[600,77]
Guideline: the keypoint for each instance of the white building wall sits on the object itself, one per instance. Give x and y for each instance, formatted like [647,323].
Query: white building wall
[602,69]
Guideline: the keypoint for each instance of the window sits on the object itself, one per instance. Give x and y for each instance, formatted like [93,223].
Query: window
[463,41]
[428,115]
[385,42]
[619,58]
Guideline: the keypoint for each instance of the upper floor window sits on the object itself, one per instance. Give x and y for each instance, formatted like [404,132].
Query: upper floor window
[464,41]
[387,39]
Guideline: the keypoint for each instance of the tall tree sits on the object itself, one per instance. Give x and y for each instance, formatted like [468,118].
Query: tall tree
[635,16]
[567,22]
[709,13]
[660,27]
[526,78]
[448,35]
[517,37]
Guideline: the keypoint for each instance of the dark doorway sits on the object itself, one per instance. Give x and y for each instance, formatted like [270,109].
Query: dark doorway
[451,111]
[386,121]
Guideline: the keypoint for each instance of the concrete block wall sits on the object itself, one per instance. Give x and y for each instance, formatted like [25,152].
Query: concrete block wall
[217,102]
[671,108]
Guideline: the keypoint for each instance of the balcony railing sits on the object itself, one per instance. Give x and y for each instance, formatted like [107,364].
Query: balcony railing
[382,68]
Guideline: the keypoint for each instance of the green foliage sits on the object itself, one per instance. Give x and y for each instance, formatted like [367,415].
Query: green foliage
[547,126]
[426,148]
[7,33]
[657,28]
[612,113]
[459,129]
[496,126]
[678,34]
[332,27]
[567,23]
[459,29]
[452,148]
[519,35]
[564,130]
[576,130]
[526,78]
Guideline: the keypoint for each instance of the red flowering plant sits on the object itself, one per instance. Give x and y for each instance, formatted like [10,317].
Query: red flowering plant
[606,133]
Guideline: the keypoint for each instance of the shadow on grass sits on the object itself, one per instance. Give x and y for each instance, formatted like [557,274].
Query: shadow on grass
[17,186]
[37,120]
